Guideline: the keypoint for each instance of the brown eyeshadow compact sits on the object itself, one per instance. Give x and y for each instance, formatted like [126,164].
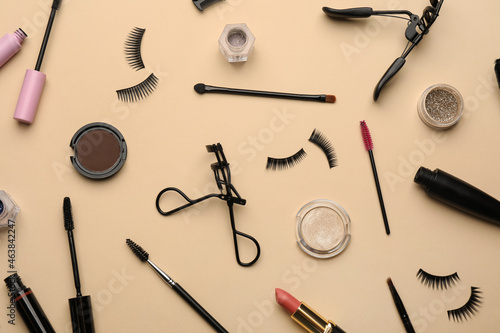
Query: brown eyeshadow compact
[100,150]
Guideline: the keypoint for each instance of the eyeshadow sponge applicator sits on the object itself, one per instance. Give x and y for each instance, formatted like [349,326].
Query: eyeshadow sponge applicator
[34,80]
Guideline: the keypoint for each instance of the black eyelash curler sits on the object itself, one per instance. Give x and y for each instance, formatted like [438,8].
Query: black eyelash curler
[223,179]
[412,34]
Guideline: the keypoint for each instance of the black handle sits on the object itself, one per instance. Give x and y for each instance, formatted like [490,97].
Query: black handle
[190,201]
[261,93]
[237,233]
[389,74]
[359,12]
[379,193]
[198,308]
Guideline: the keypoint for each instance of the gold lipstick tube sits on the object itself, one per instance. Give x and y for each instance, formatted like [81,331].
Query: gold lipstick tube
[313,322]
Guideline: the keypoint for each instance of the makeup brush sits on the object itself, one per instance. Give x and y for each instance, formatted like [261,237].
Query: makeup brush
[367,139]
[80,307]
[401,308]
[34,80]
[144,256]
[202,88]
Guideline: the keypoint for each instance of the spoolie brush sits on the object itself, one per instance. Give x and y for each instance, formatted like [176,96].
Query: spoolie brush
[34,80]
[367,139]
[144,257]
[80,306]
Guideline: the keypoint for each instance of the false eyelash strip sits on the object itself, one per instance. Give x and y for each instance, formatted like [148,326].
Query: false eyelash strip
[322,142]
[469,309]
[436,281]
[139,91]
[133,48]
[287,162]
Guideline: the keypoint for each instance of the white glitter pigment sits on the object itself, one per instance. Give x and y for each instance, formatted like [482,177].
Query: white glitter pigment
[323,228]
[237,38]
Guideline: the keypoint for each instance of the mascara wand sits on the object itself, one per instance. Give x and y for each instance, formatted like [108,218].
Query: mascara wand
[367,139]
[80,307]
[144,257]
[34,80]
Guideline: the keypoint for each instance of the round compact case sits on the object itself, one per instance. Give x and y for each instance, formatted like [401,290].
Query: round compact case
[100,150]
[441,106]
[323,228]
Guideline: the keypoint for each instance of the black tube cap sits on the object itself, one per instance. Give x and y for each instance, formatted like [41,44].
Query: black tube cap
[202,4]
[81,314]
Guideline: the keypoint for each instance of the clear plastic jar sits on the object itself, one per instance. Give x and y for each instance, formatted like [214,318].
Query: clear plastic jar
[441,106]
[323,228]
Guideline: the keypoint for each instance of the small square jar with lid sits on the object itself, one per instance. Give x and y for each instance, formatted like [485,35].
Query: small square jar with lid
[8,210]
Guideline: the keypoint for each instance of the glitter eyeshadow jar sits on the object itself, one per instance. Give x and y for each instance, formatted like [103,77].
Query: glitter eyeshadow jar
[8,210]
[236,42]
[323,228]
[441,106]
[99,150]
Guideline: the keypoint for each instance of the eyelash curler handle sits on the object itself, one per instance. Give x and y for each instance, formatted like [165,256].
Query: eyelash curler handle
[362,12]
[359,12]
[190,201]
[237,233]
[389,74]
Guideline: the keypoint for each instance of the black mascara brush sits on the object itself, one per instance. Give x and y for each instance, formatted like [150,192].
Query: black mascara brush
[202,88]
[34,80]
[144,256]
[56,4]
[367,139]
[80,307]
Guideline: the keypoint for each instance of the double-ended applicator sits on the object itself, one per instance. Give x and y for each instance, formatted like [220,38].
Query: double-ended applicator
[34,80]
[202,88]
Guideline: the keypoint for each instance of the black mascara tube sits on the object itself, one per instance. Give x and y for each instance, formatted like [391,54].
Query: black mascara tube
[459,194]
[28,307]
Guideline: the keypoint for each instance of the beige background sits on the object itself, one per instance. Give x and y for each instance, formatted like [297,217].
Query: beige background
[297,49]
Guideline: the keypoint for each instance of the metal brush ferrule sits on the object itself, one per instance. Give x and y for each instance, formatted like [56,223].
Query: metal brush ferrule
[162,274]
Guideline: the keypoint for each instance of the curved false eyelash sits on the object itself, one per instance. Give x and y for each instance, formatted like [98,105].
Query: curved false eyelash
[468,309]
[287,162]
[322,142]
[436,281]
[139,91]
[133,48]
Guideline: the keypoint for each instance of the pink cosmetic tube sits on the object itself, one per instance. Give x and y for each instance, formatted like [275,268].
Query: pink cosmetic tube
[10,44]
[29,97]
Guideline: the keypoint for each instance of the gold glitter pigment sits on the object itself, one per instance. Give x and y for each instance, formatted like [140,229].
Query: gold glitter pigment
[440,106]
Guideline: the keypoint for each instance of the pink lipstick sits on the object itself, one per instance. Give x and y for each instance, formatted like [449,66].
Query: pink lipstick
[304,315]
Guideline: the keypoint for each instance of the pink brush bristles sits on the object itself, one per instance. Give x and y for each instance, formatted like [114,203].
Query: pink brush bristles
[367,138]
